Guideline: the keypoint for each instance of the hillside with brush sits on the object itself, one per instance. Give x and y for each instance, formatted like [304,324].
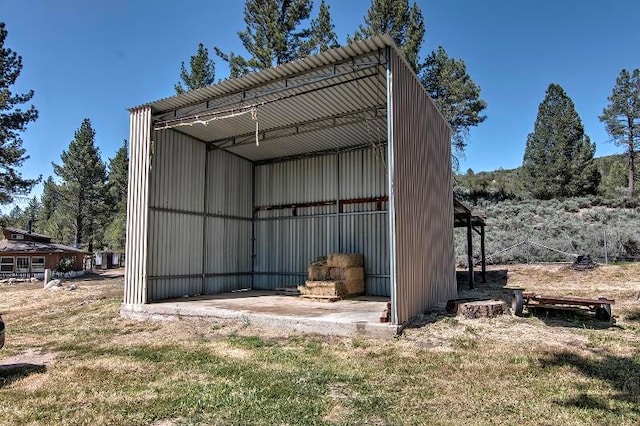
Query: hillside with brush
[608,222]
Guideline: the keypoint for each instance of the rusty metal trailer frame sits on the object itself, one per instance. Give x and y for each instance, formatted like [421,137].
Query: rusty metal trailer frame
[601,306]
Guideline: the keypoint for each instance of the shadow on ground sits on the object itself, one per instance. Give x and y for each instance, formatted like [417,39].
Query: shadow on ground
[570,318]
[634,315]
[621,373]
[10,373]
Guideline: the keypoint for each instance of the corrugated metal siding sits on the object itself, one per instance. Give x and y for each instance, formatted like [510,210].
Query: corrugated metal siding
[175,244]
[228,248]
[369,234]
[174,287]
[177,172]
[229,184]
[228,239]
[135,290]
[285,244]
[423,203]
[176,222]
[288,246]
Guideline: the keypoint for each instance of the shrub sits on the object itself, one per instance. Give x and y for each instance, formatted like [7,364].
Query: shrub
[65,265]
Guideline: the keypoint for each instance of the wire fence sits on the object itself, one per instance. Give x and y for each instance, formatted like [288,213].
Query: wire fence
[608,246]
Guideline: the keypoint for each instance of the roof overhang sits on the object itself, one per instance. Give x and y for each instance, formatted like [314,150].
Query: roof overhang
[333,101]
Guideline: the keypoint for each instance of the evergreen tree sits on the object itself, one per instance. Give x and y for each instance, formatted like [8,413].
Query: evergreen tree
[82,186]
[119,177]
[115,233]
[203,71]
[404,24]
[273,35]
[13,120]
[558,158]
[323,36]
[455,94]
[622,118]
[49,201]
[51,219]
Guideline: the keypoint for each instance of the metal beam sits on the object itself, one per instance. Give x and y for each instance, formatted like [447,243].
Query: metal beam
[328,122]
[173,117]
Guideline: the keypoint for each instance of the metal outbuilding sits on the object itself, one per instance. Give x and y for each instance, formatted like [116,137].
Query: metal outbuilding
[241,184]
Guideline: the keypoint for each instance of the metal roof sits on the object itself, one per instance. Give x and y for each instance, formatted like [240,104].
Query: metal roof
[332,101]
[301,66]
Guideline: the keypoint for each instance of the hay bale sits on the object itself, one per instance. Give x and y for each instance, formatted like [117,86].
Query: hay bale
[345,260]
[320,261]
[354,287]
[346,274]
[319,288]
[318,272]
[333,289]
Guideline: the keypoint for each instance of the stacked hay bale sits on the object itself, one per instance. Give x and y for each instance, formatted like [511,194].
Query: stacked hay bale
[335,277]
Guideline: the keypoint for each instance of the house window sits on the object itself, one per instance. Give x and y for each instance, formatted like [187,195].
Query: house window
[17,237]
[37,264]
[22,264]
[6,264]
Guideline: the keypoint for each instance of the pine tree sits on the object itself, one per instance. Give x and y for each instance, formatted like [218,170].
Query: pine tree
[558,158]
[323,36]
[622,118]
[115,233]
[273,35]
[51,220]
[82,186]
[394,17]
[203,71]
[455,94]
[13,120]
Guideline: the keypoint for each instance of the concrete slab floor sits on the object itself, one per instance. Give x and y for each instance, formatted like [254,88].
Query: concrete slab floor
[358,316]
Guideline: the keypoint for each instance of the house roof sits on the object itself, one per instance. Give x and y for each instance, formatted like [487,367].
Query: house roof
[23,232]
[333,101]
[13,246]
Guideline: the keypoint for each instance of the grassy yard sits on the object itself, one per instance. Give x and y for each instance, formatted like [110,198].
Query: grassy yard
[543,369]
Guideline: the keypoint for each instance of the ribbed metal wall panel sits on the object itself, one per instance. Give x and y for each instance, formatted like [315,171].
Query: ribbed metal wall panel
[285,244]
[135,282]
[174,287]
[225,284]
[229,184]
[363,173]
[228,246]
[176,215]
[422,196]
[300,181]
[288,245]
[177,172]
[369,234]
[175,244]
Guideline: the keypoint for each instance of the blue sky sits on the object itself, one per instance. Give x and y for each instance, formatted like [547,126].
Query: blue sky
[95,59]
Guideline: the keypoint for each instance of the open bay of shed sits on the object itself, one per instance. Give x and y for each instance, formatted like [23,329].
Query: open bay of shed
[358,316]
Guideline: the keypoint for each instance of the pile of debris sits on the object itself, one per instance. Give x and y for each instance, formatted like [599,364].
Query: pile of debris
[335,277]
[583,263]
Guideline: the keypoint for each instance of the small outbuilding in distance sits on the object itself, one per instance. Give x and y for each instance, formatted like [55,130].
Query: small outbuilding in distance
[241,184]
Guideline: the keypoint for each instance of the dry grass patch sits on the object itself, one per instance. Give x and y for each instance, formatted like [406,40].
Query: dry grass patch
[534,370]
